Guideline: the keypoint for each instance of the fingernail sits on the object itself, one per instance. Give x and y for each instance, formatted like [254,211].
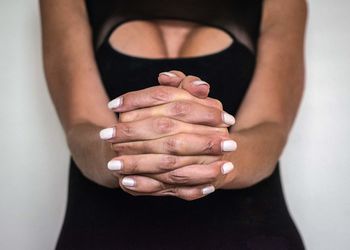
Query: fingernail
[208,190]
[115,165]
[200,82]
[129,182]
[168,74]
[228,145]
[228,119]
[107,133]
[227,167]
[117,102]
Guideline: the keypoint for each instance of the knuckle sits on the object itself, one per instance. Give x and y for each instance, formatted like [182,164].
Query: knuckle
[209,146]
[125,130]
[168,162]
[171,145]
[160,94]
[214,103]
[163,124]
[180,108]
[121,147]
[176,178]
[219,104]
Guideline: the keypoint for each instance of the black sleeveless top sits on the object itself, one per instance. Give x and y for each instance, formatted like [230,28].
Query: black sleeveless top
[236,17]
[252,218]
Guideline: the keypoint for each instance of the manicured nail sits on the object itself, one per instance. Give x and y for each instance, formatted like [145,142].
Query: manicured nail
[228,119]
[117,102]
[129,182]
[107,133]
[168,74]
[208,190]
[115,165]
[228,145]
[227,167]
[200,82]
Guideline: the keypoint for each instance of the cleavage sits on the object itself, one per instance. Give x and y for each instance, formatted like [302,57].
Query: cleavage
[164,38]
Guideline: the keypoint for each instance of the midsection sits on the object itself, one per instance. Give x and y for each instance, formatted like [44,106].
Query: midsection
[165,38]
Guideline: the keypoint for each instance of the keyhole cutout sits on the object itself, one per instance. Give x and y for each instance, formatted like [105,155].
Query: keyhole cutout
[154,39]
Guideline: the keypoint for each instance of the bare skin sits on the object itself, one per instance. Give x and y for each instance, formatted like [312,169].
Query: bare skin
[80,99]
[168,39]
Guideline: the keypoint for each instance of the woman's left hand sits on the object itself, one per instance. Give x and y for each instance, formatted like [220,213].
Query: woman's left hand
[158,172]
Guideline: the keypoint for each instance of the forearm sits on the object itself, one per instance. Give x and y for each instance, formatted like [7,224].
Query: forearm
[71,72]
[258,150]
[91,154]
[274,94]
[75,85]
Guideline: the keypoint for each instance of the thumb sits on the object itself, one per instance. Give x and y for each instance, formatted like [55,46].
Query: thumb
[178,79]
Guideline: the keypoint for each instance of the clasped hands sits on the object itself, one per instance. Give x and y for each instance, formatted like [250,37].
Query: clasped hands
[171,139]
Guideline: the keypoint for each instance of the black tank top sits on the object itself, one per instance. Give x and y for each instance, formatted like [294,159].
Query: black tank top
[236,17]
[252,218]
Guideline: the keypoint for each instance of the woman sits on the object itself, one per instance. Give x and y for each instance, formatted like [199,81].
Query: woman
[144,164]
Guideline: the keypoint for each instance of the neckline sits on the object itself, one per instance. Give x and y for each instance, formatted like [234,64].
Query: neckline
[235,42]
[168,59]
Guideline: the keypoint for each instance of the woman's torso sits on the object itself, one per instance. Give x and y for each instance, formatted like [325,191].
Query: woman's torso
[251,218]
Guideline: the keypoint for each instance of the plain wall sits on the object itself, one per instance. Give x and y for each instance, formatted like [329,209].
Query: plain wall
[34,158]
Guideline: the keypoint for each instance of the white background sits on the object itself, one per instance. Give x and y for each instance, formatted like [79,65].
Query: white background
[34,157]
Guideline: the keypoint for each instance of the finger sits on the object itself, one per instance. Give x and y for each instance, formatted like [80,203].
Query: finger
[196,174]
[179,144]
[171,78]
[153,128]
[194,193]
[154,163]
[152,96]
[189,112]
[187,84]
[142,185]
[211,102]
[194,85]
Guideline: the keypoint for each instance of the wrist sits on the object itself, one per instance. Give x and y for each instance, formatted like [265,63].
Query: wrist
[91,154]
[253,160]
[108,154]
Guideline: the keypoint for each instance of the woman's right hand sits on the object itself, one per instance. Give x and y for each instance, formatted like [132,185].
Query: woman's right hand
[146,125]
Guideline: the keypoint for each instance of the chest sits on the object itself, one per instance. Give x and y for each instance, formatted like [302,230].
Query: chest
[163,38]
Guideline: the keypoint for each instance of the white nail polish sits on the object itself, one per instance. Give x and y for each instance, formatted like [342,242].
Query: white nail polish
[228,119]
[208,190]
[199,82]
[117,102]
[129,182]
[168,74]
[115,165]
[227,167]
[228,145]
[107,133]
